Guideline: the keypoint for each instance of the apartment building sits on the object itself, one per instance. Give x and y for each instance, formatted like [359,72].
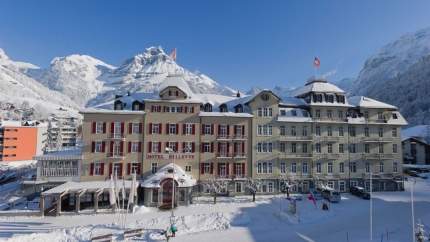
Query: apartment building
[21,140]
[62,132]
[318,137]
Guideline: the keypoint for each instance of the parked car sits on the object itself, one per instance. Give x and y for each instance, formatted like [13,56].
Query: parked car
[412,173]
[359,192]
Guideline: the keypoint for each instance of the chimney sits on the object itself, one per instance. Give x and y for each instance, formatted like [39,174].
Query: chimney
[238,94]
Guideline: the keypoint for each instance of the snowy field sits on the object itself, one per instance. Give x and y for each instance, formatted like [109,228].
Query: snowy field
[239,219]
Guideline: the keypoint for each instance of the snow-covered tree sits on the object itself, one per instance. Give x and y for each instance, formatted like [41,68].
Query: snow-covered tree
[216,186]
[253,185]
[285,185]
[420,234]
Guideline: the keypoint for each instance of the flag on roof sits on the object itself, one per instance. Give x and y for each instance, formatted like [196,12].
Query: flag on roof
[317,62]
[173,54]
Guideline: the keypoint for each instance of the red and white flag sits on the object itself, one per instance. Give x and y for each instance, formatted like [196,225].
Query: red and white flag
[317,62]
[173,54]
[312,199]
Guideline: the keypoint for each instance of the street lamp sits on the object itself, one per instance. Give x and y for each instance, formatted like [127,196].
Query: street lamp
[170,151]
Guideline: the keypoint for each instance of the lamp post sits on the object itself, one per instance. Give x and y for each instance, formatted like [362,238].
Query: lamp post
[171,151]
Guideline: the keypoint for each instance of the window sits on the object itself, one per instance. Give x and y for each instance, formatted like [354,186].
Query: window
[353,148]
[188,147]
[293,131]
[353,167]
[318,167]
[330,168]
[98,169]
[305,168]
[135,128]
[283,112]
[341,167]
[304,148]
[156,129]
[381,167]
[318,147]
[318,131]
[381,148]
[264,167]
[317,114]
[188,168]
[282,130]
[99,127]
[366,114]
[395,166]
[366,148]
[134,147]
[98,147]
[367,167]
[381,132]
[265,112]
[293,167]
[283,168]
[293,147]
[207,147]
[294,113]
[341,148]
[172,129]
[207,129]
[329,114]
[329,131]
[329,148]
[155,147]
[366,131]
[340,131]
[305,131]
[394,132]
[380,116]
[239,169]
[264,130]
[342,186]
[394,115]
[340,114]
[330,184]
[270,187]
[238,187]
[154,167]
[117,169]
[351,130]
[188,129]
[260,112]
[155,195]
[264,147]
[134,168]
[173,146]
[282,147]
[394,148]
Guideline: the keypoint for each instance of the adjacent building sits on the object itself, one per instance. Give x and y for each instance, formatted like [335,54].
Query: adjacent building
[416,146]
[63,132]
[21,140]
[318,137]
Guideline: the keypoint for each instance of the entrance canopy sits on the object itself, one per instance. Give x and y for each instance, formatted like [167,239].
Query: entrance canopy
[169,171]
[89,186]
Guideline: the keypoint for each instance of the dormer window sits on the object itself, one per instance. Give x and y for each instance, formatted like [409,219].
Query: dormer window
[207,107]
[283,112]
[118,105]
[394,115]
[223,108]
[340,98]
[170,93]
[238,108]
[294,113]
[305,114]
[330,98]
[176,93]
[317,98]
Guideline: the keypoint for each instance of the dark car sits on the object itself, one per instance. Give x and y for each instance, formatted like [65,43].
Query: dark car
[359,192]
[412,173]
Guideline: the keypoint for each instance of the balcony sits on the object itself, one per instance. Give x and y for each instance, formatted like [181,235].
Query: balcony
[239,137]
[224,137]
[296,155]
[377,139]
[115,155]
[295,138]
[117,136]
[237,155]
[378,156]
[326,156]
[327,138]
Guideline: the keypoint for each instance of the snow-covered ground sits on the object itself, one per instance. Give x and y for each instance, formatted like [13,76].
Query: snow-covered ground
[239,219]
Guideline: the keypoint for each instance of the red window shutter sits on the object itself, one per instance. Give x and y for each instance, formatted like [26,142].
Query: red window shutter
[103,146]
[110,169]
[192,110]
[150,128]
[234,169]
[219,128]
[94,128]
[159,147]
[186,109]
[152,108]
[193,147]
[139,167]
[120,169]
[160,129]
[228,129]
[184,128]
[228,148]
[92,169]
[227,166]
[243,130]
[193,129]
[183,147]
[219,147]
[121,146]
[243,169]
[139,147]
[167,128]
[128,168]
[202,149]
[202,168]
[130,128]
[234,129]
[122,127]
[243,147]
[129,147]
[176,146]
[235,148]
[102,167]
[212,147]
[111,146]
[104,127]
[219,168]
[112,126]
[177,128]
[93,146]
[140,128]
[212,168]
[149,147]
[212,129]
[202,129]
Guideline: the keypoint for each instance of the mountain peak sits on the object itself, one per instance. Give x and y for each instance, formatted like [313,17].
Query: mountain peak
[79,60]
[3,55]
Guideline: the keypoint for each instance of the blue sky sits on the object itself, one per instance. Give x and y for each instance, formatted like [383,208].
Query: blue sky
[238,43]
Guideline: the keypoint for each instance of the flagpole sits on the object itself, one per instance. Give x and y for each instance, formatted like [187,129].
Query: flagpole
[412,210]
[371,205]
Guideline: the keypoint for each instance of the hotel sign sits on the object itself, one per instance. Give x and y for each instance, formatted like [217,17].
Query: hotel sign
[170,156]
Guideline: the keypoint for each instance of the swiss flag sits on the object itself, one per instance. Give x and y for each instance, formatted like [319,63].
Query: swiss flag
[317,62]
[173,54]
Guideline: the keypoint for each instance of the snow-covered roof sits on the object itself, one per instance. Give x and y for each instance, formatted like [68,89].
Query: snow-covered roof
[165,172]
[86,185]
[318,85]
[421,132]
[365,102]
[74,153]
[292,101]
[176,80]
[109,111]
[225,114]
[290,114]
[214,99]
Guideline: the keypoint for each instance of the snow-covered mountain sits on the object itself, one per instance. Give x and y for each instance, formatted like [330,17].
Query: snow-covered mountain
[399,74]
[145,72]
[77,76]
[22,95]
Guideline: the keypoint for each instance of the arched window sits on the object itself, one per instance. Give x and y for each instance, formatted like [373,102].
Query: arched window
[118,105]
[223,108]
[238,108]
[208,107]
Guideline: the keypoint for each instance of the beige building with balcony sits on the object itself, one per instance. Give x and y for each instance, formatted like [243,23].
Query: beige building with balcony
[318,137]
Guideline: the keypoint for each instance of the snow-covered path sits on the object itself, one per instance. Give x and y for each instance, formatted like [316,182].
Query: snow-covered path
[239,219]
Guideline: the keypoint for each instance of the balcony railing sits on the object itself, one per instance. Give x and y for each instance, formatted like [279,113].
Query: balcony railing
[377,139]
[223,137]
[297,155]
[295,138]
[116,136]
[115,155]
[378,156]
[326,156]
[230,155]
[239,137]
